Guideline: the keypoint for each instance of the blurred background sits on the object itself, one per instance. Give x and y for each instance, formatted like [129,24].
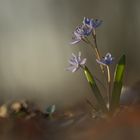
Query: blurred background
[34,46]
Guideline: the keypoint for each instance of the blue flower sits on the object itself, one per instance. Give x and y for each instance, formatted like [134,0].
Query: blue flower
[85,29]
[80,33]
[107,60]
[92,23]
[76,62]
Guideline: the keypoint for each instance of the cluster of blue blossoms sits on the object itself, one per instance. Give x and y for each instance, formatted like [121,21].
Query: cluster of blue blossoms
[80,33]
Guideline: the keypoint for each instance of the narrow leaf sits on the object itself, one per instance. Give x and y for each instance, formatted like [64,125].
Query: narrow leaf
[117,85]
[95,89]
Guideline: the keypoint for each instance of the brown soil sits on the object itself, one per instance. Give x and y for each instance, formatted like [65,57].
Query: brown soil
[73,124]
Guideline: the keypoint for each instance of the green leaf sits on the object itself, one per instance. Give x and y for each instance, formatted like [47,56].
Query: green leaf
[95,89]
[117,85]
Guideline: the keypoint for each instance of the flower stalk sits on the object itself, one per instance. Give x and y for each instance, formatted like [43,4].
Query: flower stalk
[109,84]
[82,33]
[94,47]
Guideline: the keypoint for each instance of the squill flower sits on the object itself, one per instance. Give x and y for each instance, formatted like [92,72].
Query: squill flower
[76,62]
[80,33]
[85,29]
[92,23]
[107,60]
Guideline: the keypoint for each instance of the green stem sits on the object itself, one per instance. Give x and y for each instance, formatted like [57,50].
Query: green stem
[97,53]
[91,105]
[109,85]
[94,37]
[100,82]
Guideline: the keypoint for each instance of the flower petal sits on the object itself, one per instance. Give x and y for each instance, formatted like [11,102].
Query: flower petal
[79,56]
[72,63]
[86,21]
[83,61]
[75,58]
[108,55]
[75,41]
[96,23]
[75,69]
[100,62]
[75,62]
[71,68]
